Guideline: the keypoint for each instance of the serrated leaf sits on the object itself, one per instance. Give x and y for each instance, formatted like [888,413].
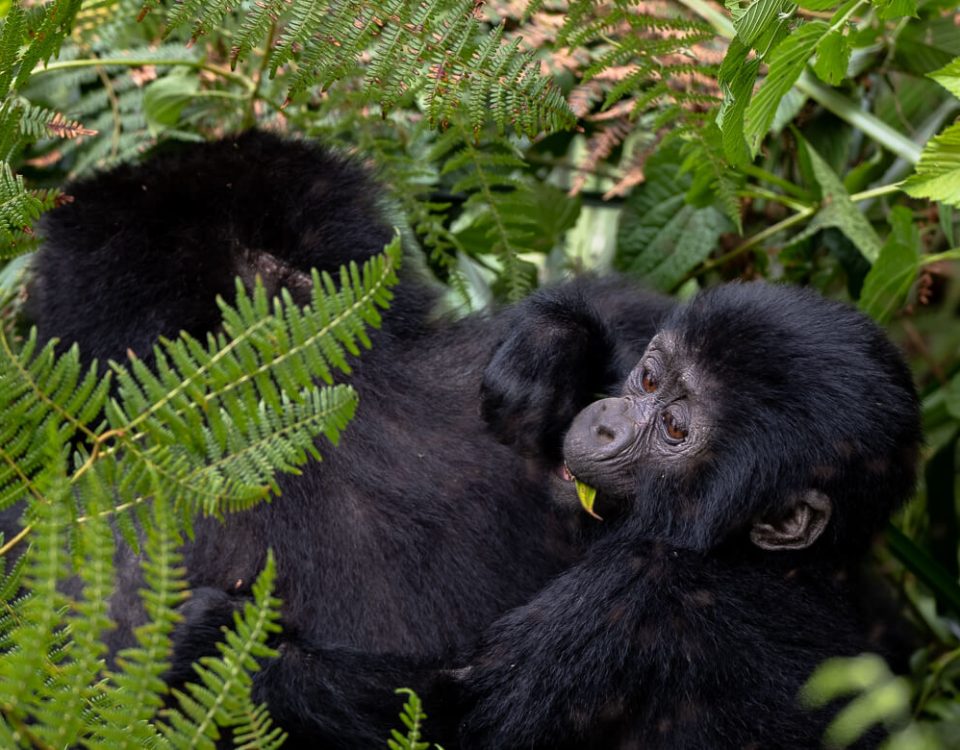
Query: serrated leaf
[937,176]
[837,210]
[949,77]
[758,18]
[893,274]
[887,10]
[786,63]
[737,76]
[833,56]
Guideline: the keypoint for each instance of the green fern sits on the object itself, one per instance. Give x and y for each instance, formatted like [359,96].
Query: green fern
[654,50]
[222,696]
[206,429]
[215,421]
[27,38]
[30,669]
[501,202]
[412,717]
[38,389]
[438,47]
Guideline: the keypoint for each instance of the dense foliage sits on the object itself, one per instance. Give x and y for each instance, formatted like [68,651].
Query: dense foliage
[683,142]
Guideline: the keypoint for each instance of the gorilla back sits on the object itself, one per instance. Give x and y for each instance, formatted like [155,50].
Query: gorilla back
[420,528]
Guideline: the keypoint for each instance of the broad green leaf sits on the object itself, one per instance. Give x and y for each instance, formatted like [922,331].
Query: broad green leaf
[938,174]
[893,274]
[788,109]
[660,237]
[818,4]
[949,77]
[758,18]
[837,210]
[926,45]
[890,9]
[683,242]
[833,56]
[786,63]
[737,76]
[163,100]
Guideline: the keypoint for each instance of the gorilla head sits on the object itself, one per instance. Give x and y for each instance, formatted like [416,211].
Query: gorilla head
[757,412]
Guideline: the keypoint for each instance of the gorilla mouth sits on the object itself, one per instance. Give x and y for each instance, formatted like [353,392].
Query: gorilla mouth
[586,493]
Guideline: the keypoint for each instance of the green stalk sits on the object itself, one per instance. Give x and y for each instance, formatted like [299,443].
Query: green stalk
[852,114]
[139,62]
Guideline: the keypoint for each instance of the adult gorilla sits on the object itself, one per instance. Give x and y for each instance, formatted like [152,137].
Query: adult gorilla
[420,528]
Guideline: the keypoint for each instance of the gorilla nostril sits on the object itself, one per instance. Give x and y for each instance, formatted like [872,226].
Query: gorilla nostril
[605,434]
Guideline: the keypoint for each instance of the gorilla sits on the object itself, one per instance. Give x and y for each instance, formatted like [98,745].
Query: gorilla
[422,526]
[741,450]
[742,469]
[754,450]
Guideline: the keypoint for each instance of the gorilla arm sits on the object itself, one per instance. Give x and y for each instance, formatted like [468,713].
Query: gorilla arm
[562,348]
[647,645]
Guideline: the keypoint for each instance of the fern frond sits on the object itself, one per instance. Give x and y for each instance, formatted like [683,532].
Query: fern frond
[136,689]
[61,714]
[215,421]
[502,202]
[47,37]
[255,27]
[404,45]
[412,717]
[41,391]
[665,58]
[26,668]
[19,208]
[12,36]
[222,696]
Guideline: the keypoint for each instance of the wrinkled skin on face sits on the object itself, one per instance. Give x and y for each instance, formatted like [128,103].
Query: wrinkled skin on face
[660,425]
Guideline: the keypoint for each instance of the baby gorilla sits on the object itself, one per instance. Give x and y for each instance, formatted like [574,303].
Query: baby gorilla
[758,446]
[762,440]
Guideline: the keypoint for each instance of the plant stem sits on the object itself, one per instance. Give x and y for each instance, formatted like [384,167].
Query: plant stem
[801,215]
[865,195]
[788,187]
[250,117]
[768,195]
[759,237]
[852,114]
[15,540]
[139,62]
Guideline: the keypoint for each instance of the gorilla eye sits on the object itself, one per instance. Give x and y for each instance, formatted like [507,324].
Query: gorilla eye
[647,382]
[674,430]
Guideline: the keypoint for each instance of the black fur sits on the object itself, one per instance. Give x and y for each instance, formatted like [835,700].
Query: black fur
[420,528]
[675,631]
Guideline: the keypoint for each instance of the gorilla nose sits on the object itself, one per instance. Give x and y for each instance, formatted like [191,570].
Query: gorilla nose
[603,429]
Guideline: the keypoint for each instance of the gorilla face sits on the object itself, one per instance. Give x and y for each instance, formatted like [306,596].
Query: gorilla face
[661,425]
[759,414]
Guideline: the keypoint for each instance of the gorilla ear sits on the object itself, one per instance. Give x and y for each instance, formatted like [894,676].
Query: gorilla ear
[800,528]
